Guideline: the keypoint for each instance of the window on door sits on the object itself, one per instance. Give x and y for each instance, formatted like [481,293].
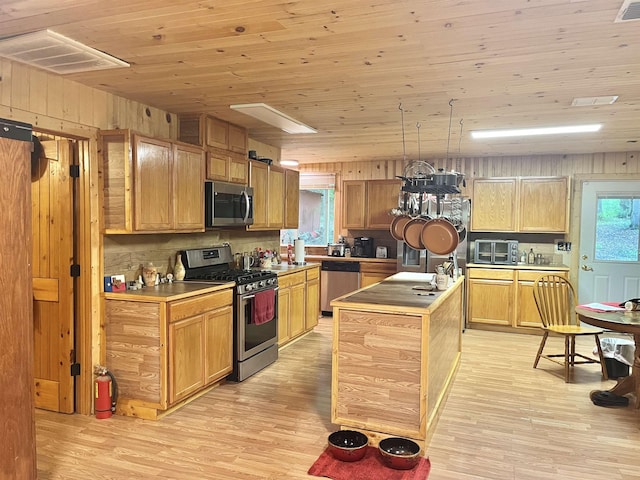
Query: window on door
[617,235]
[316,217]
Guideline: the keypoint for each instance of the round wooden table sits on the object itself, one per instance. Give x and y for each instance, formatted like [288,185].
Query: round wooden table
[625,322]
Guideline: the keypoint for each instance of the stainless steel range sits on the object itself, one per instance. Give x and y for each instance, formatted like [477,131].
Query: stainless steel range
[255,343]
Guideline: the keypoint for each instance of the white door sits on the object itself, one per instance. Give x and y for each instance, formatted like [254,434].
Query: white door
[609,241]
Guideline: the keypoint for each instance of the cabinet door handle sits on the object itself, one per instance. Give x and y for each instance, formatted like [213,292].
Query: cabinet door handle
[587,269]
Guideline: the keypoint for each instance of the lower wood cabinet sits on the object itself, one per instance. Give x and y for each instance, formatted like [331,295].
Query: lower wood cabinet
[503,298]
[298,303]
[161,352]
[526,314]
[374,272]
[312,299]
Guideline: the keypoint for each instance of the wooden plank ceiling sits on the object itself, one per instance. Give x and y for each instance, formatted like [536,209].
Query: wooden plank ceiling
[345,66]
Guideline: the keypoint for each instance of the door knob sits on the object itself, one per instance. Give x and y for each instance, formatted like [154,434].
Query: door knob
[587,269]
[584,257]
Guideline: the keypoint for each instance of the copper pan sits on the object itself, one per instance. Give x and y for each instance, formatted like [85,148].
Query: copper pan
[440,236]
[397,226]
[412,232]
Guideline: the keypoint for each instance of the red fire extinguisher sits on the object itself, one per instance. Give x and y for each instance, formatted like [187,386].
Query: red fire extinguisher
[106,393]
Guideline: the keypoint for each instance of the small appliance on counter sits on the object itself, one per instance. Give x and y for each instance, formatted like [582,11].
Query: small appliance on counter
[336,249]
[363,247]
[497,252]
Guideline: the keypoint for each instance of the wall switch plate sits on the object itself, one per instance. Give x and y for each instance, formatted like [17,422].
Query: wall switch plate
[561,245]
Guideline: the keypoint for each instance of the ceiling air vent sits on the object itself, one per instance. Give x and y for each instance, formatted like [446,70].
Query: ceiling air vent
[629,11]
[54,52]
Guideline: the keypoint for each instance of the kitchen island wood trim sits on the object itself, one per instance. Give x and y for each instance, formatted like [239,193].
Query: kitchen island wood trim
[393,364]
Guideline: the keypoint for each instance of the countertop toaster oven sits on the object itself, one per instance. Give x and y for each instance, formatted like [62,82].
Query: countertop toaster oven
[496,252]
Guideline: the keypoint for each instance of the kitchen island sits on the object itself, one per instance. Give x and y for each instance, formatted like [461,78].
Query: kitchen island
[396,349]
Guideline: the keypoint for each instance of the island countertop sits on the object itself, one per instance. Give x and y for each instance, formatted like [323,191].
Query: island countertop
[405,291]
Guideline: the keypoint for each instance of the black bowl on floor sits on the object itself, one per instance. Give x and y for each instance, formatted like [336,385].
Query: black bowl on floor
[348,445]
[399,453]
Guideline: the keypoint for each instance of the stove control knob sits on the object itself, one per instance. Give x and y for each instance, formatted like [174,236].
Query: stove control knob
[248,287]
[262,283]
[271,281]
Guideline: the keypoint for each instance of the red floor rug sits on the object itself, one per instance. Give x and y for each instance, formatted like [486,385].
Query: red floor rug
[369,468]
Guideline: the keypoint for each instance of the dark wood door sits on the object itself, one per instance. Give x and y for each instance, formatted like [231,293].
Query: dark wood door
[18,451]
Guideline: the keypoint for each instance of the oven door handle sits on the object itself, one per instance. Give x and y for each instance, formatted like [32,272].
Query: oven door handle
[249,297]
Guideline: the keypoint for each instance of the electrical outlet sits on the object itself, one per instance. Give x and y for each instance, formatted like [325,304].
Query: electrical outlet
[561,246]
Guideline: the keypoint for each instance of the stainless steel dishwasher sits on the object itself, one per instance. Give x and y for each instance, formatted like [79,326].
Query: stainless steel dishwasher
[336,279]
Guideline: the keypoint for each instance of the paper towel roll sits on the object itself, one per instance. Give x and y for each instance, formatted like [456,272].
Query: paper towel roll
[631,306]
[299,250]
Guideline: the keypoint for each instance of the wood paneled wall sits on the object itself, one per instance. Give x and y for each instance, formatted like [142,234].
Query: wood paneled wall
[55,103]
[544,165]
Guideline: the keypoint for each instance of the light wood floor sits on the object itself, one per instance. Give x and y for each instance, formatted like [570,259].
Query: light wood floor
[503,420]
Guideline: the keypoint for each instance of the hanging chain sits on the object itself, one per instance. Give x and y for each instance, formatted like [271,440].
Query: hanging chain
[404,152]
[450,116]
[458,162]
[418,127]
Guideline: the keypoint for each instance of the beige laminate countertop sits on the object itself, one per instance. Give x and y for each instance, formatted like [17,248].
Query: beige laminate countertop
[320,258]
[285,268]
[397,293]
[521,266]
[166,292]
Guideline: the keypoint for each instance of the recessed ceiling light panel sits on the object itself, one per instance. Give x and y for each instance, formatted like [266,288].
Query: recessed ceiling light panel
[56,53]
[273,117]
[525,132]
[594,101]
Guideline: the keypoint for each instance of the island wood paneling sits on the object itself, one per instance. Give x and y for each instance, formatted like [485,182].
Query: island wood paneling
[378,376]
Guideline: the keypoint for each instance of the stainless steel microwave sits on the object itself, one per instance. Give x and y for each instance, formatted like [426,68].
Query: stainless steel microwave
[227,204]
[497,252]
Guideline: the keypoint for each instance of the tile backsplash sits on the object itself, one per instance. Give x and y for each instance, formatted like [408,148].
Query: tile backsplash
[124,254]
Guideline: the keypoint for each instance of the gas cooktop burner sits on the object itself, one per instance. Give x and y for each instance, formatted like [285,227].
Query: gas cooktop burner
[241,277]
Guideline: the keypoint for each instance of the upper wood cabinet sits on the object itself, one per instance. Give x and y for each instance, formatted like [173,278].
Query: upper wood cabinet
[366,203]
[150,185]
[353,203]
[276,201]
[225,143]
[270,189]
[544,204]
[292,198]
[525,204]
[494,204]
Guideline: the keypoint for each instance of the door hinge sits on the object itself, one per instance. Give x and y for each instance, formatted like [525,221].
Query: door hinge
[74,171]
[75,369]
[75,270]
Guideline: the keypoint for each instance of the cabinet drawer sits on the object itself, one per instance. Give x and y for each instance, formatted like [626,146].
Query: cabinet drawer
[532,275]
[375,267]
[492,274]
[313,273]
[291,279]
[194,306]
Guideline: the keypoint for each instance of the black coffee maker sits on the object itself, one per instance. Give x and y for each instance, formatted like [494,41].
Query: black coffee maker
[363,247]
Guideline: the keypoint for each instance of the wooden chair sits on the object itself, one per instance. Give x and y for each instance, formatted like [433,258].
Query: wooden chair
[555,299]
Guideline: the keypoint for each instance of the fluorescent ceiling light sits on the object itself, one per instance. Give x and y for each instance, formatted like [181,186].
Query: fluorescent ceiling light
[56,53]
[524,132]
[289,163]
[594,101]
[273,117]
